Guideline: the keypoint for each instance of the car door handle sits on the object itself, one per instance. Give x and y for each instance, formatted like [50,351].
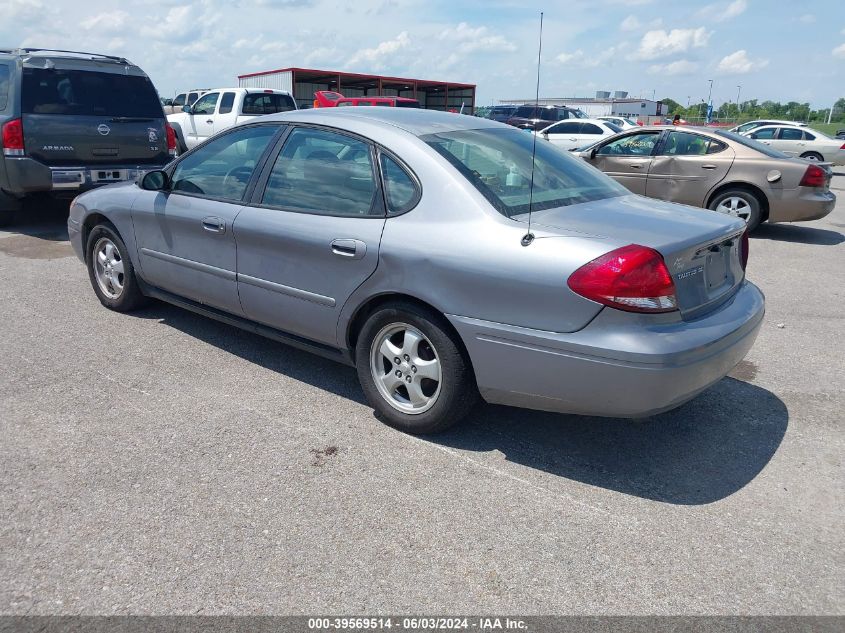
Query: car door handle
[353,249]
[635,165]
[708,166]
[209,121]
[214,225]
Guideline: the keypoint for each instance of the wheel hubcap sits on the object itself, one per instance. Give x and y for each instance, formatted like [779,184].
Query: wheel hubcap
[406,368]
[735,206]
[108,268]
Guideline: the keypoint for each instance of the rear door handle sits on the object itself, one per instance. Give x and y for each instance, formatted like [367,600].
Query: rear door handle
[635,165]
[350,248]
[214,225]
[209,121]
[708,166]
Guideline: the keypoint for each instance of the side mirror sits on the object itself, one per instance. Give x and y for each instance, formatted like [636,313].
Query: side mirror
[186,109]
[545,135]
[593,152]
[154,181]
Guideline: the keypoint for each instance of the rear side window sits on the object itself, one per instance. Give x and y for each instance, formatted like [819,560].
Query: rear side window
[4,86]
[807,136]
[685,144]
[267,103]
[87,93]
[590,128]
[400,190]
[788,134]
[226,102]
[324,173]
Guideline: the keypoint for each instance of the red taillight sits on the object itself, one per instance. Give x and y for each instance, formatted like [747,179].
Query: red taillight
[13,138]
[843,146]
[743,249]
[632,278]
[171,139]
[815,176]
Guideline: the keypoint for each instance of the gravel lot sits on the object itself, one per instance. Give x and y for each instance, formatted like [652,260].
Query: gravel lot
[163,463]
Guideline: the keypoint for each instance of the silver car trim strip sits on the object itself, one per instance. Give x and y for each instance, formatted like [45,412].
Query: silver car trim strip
[287,290]
[228,275]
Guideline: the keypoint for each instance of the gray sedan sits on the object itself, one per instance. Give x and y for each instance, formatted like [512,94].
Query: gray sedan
[412,245]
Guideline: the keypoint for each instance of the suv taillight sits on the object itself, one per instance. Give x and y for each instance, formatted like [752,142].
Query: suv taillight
[815,176]
[13,138]
[171,139]
[632,278]
[743,249]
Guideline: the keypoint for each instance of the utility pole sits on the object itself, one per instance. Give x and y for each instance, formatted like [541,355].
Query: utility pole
[710,101]
[830,114]
[738,106]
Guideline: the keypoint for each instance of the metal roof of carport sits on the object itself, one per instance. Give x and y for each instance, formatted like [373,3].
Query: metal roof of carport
[311,73]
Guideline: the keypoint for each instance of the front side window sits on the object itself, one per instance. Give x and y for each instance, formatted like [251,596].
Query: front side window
[400,190]
[685,144]
[226,102]
[4,86]
[88,93]
[747,126]
[499,164]
[765,133]
[323,172]
[222,168]
[639,144]
[206,104]
[192,98]
[179,100]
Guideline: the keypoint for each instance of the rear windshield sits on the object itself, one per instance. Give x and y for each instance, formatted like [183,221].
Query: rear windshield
[750,142]
[499,164]
[267,103]
[4,86]
[88,93]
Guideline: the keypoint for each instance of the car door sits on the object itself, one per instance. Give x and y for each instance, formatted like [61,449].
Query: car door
[590,133]
[627,159]
[311,235]
[687,166]
[201,119]
[565,134]
[790,140]
[184,234]
[765,135]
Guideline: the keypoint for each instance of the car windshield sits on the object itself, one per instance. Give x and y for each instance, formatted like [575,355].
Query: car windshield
[578,114]
[499,164]
[749,142]
[83,92]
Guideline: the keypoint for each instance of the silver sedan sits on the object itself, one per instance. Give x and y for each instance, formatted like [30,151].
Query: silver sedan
[413,245]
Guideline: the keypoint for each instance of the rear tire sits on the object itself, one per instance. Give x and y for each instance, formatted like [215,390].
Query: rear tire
[812,156]
[111,271]
[413,371]
[739,203]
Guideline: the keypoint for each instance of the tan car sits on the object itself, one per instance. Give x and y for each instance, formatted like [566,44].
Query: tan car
[715,169]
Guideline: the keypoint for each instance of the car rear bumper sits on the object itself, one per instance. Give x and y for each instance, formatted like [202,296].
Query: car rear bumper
[27,175]
[801,205]
[621,365]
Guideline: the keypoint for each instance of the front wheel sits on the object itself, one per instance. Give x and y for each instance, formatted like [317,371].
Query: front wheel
[413,371]
[740,203]
[111,271]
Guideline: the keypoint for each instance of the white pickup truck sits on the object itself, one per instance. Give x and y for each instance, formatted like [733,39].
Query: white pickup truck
[222,108]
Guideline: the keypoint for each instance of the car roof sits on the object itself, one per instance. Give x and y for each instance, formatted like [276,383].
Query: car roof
[417,121]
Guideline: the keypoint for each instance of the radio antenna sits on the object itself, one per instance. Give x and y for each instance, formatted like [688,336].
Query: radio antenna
[529,236]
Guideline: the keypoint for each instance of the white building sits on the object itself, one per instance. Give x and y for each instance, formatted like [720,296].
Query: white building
[603,104]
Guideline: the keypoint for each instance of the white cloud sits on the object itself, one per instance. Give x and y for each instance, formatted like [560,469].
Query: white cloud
[735,8]
[181,24]
[739,63]
[660,43]
[807,18]
[112,22]
[631,23]
[839,51]
[580,59]
[470,39]
[22,9]
[680,67]
[376,57]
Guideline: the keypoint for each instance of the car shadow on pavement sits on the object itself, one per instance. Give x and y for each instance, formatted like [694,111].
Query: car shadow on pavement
[702,452]
[699,453]
[43,219]
[798,234]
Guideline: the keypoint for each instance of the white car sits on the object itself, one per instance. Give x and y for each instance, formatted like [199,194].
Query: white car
[575,133]
[801,142]
[222,108]
[620,122]
[751,125]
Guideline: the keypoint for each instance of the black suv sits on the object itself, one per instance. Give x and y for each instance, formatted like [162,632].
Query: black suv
[538,117]
[73,121]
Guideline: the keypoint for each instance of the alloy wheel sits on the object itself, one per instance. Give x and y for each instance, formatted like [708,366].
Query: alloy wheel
[735,206]
[108,268]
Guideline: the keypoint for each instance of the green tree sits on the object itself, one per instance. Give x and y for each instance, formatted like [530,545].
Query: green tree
[672,106]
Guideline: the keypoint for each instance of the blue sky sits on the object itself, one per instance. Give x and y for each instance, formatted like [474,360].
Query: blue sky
[774,49]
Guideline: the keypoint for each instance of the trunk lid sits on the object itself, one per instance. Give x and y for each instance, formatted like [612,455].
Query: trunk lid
[65,140]
[701,248]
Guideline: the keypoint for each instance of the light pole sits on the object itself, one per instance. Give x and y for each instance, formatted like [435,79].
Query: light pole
[709,100]
[738,106]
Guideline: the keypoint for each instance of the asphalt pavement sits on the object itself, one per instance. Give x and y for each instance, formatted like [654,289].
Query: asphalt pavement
[163,463]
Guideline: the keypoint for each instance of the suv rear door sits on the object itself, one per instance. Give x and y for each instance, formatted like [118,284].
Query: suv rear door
[77,116]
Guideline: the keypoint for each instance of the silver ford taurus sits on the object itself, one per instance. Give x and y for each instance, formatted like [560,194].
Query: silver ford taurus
[412,245]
